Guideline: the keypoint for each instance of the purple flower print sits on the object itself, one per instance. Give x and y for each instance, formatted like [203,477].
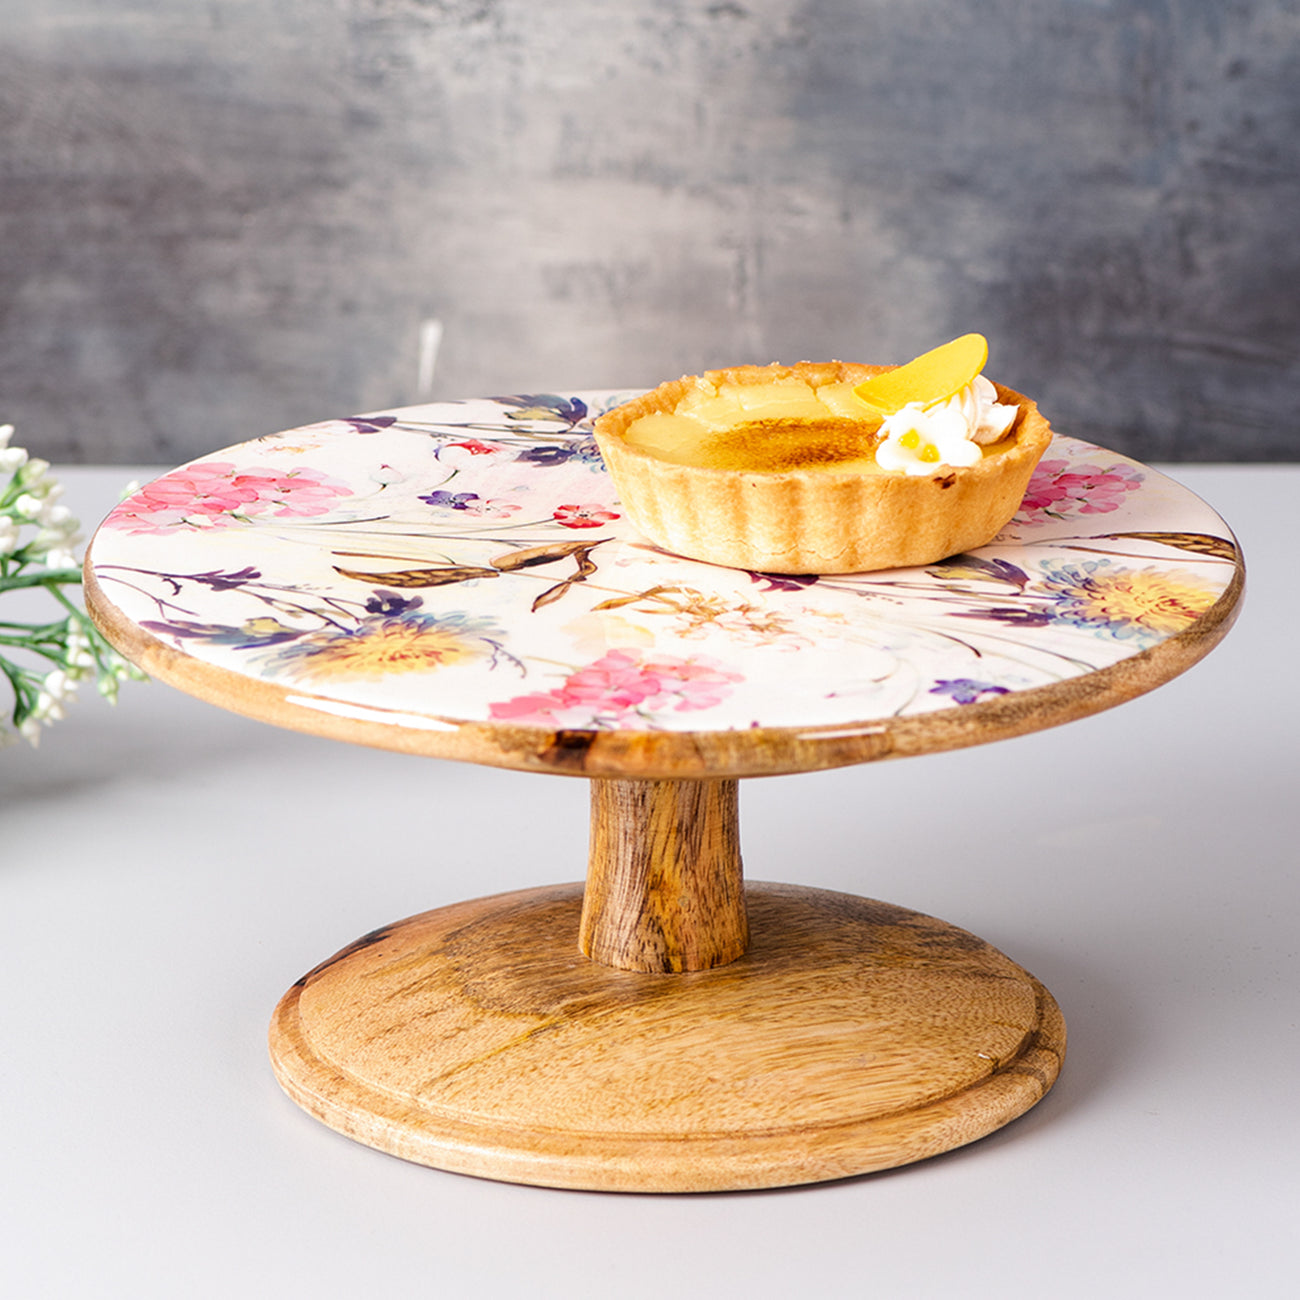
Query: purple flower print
[965,690]
[218,581]
[470,502]
[391,603]
[978,569]
[783,581]
[580,450]
[452,500]
[371,424]
[545,406]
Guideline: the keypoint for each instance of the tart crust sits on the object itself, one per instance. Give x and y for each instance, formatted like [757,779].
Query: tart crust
[816,520]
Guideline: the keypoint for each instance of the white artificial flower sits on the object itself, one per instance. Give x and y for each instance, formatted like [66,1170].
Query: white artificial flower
[922,439]
[34,477]
[32,494]
[61,558]
[78,656]
[47,709]
[125,671]
[12,459]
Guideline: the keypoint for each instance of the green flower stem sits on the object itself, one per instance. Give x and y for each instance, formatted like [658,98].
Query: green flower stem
[51,650]
[46,578]
[35,629]
[60,654]
[24,688]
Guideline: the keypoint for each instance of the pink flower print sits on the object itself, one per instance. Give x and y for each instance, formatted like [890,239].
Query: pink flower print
[1059,490]
[216,494]
[587,516]
[621,691]
[299,493]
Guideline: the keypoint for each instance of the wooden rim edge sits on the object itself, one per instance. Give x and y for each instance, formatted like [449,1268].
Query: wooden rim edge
[770,751]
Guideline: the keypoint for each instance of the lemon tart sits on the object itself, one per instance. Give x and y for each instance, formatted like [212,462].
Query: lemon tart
[825,467]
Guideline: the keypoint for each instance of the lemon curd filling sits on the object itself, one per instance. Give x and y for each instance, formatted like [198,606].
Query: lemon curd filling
[770,427]
[785,424]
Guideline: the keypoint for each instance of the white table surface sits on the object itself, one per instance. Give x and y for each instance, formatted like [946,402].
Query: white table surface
[167,870]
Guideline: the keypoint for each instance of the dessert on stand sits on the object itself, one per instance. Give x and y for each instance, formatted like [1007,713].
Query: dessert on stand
[459,580]
[826,467]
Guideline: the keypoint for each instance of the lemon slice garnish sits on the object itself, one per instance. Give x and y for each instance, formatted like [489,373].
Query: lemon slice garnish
[934,376]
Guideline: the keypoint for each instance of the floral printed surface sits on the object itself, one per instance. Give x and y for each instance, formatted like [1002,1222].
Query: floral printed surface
[470,561]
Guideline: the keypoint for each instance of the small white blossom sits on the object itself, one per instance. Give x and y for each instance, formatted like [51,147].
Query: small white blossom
[80,666]
[77,656]
[79,653]
[58,688]
[48,709]
[125,671]
[61,558]
[34,478]
[922,439]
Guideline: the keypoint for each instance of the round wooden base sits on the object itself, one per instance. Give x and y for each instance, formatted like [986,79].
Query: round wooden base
[852,1036]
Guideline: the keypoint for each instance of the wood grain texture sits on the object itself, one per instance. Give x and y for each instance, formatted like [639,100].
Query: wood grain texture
[852,1036]
[664,887]
[759,751]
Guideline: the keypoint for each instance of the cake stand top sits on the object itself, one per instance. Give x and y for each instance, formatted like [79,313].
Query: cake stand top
[458,580]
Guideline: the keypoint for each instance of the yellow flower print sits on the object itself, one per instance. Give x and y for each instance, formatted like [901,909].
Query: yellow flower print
[1127,602]
[398,641]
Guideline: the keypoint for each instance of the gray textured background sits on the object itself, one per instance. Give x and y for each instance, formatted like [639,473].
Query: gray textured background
[224,217]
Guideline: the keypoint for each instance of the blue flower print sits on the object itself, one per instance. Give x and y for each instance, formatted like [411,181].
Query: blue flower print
[581,450]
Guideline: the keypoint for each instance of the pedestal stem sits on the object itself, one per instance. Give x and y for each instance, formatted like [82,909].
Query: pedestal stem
[664,884]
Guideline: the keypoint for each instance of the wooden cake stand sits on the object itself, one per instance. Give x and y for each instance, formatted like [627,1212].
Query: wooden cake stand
[456,580]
